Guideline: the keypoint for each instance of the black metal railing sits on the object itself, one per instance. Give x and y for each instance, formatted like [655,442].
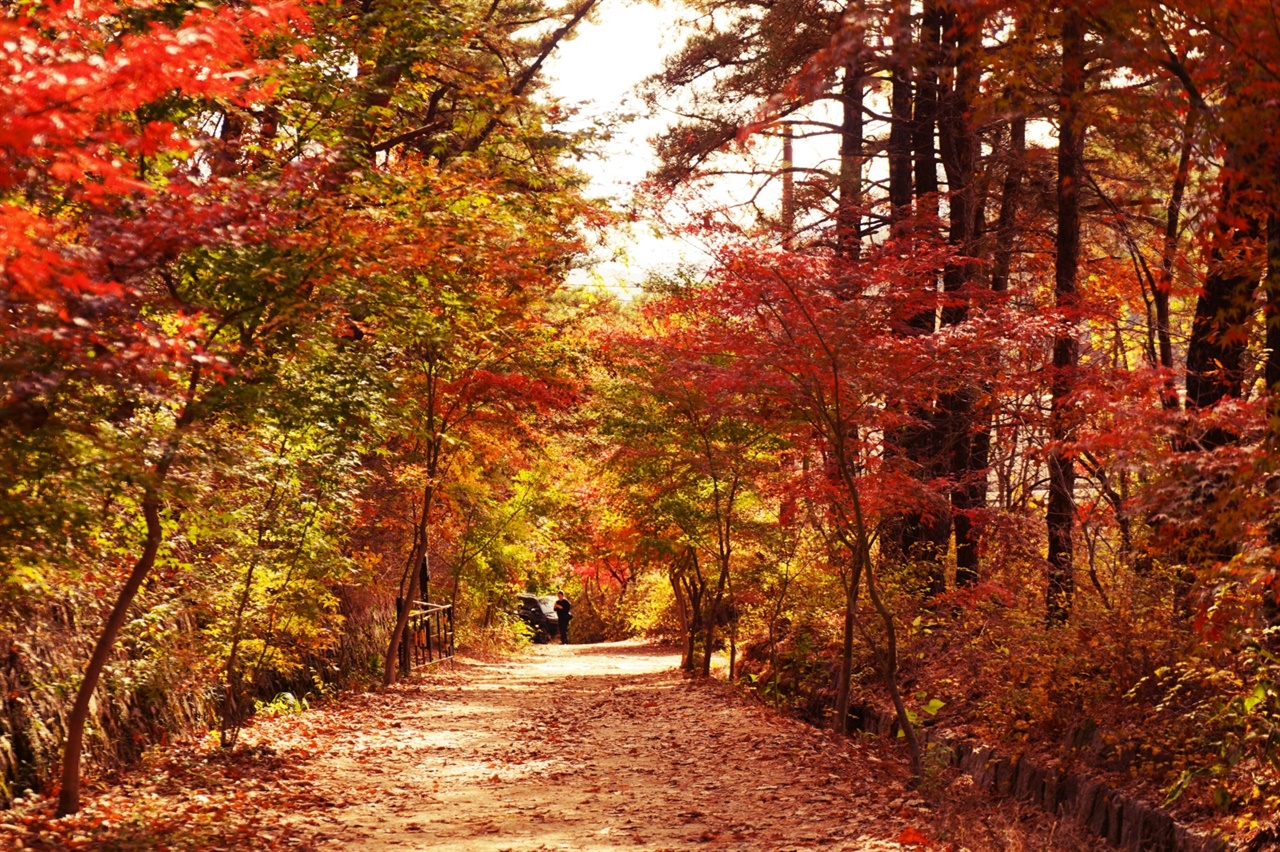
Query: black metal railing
[428,636]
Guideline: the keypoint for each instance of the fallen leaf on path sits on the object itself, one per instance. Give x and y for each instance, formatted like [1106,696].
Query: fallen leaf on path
[912,836]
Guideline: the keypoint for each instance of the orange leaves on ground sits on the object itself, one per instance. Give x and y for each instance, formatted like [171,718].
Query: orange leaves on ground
[913,837]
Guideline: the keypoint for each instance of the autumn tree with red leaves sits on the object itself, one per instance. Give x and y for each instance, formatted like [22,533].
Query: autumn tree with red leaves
[1097,177]
[684,442]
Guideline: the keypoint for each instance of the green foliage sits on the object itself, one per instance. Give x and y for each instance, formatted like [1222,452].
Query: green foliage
[1227,710]
[284,704]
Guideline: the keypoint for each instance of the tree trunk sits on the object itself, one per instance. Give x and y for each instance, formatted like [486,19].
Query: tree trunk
[1173,214]
[788,189]
[1010,198]
[845,677]
[682,607]
[69,796]
[924,121]
[411,593]
[891,675]
[686,581]
[1002,257]
[960,150]
[849,215]
[1215,354]
[1272,287]
[231,718]
[1060,516]
[900,117]
[899,532]
[714,613]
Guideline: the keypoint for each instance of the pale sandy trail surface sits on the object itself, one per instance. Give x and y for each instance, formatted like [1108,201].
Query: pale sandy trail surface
[585,748]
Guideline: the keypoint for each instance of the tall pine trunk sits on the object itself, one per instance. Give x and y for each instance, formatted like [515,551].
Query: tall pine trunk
[1060,515]
[1010,200]
[849,214]
[965,460]
[900,117]
[922,533]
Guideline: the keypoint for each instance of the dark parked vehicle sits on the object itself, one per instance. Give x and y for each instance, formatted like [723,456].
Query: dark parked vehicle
[538,611]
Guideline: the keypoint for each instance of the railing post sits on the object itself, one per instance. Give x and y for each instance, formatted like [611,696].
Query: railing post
[440,633]
[426,630]
[404,638]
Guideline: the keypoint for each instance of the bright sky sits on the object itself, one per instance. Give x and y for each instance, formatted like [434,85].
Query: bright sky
[597,71]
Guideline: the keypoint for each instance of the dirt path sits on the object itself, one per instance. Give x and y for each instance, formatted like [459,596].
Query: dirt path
[597,747]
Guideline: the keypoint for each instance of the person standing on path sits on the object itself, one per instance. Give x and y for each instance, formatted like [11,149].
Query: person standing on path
[563,614]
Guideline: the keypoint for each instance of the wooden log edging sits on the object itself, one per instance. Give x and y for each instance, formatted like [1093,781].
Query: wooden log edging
[1121,820]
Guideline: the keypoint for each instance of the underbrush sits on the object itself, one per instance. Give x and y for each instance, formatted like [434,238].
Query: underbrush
[1140,694]
[159,687]
[504,635]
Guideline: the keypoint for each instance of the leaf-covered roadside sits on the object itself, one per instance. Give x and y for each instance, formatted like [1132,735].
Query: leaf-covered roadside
[188,797]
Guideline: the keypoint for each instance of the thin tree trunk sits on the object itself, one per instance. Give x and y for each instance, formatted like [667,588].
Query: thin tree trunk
[1010,199]
[436,427]
[696,588]
[845,676]
[1272,287]
[924,120]
[1168,253]
[900,116]
[975,496]
[410,594]
[230,705]
[960,150]
[714,614]
[682,607]
[69,797]
[925,534]
[857,539]
[788,189]
[897,531]
[527,76]
[891,675]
